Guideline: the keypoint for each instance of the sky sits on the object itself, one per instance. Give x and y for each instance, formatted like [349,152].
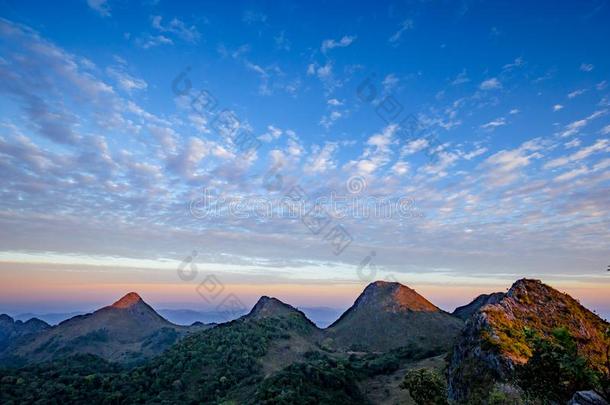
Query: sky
[206,154]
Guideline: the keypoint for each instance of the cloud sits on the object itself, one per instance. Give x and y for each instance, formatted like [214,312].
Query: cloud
[490,84]
[390,82]
[404,26]
[576,93]
[572,174]
[345,41]
[126,81]
[572,144]
[321,159]
[271,134]
[254,17]
[377,152]
[150,41]
[498,122]
[518,62]
[504,167]
[601,145]
[328,120]
[100,6]
[461,78]
[37,71]
[586,67]
[557,107]
[574,127]
[605,130]
[177,28]
[281,42]
[401,168]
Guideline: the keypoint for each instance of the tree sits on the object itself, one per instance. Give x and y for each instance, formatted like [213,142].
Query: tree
[426,387]
[556,370]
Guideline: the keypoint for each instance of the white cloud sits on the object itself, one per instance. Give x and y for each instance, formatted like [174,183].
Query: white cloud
[328,120]
[505,166]
[576,93]
[498,122]
[572,174]
[583,153]
[345,41]
[414,146]
[150,41]
[254,17]
[518,62]
[401,168]
[321,159]
[126,81]
[377,152]
[490,84]
[100,6]
[557,107]
[390,82]
[477,152]
[605,130]
[574,127]
[460,78]
[572,144]
[271,134]
[404,26]
[586,67]
[334,102]
[176,27]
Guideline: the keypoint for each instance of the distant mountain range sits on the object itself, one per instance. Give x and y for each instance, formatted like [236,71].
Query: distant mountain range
[276,355]
[127,331]
[321,316]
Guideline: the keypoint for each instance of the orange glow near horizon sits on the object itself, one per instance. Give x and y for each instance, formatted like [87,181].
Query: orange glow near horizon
[21,284]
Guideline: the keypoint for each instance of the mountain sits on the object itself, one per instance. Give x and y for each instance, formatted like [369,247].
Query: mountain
[502,337]
[464,312]
[390,315]
[50,318]
[11,330]
[127,331]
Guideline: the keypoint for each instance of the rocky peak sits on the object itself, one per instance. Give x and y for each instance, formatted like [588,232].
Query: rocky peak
[495,339]
[393,297]
[466,311]
[270,307]
[129,300]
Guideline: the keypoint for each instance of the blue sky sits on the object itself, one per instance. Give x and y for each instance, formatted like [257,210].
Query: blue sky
[100,157]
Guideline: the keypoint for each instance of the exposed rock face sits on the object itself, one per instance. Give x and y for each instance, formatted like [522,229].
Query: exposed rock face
[494,339]
[390,315]
[466,311]
[11,330]
[587,398]
[268,307]
[127,331]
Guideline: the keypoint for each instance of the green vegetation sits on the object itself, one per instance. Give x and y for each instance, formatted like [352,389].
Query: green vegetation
[319,380]
[556,370]
[426,387]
